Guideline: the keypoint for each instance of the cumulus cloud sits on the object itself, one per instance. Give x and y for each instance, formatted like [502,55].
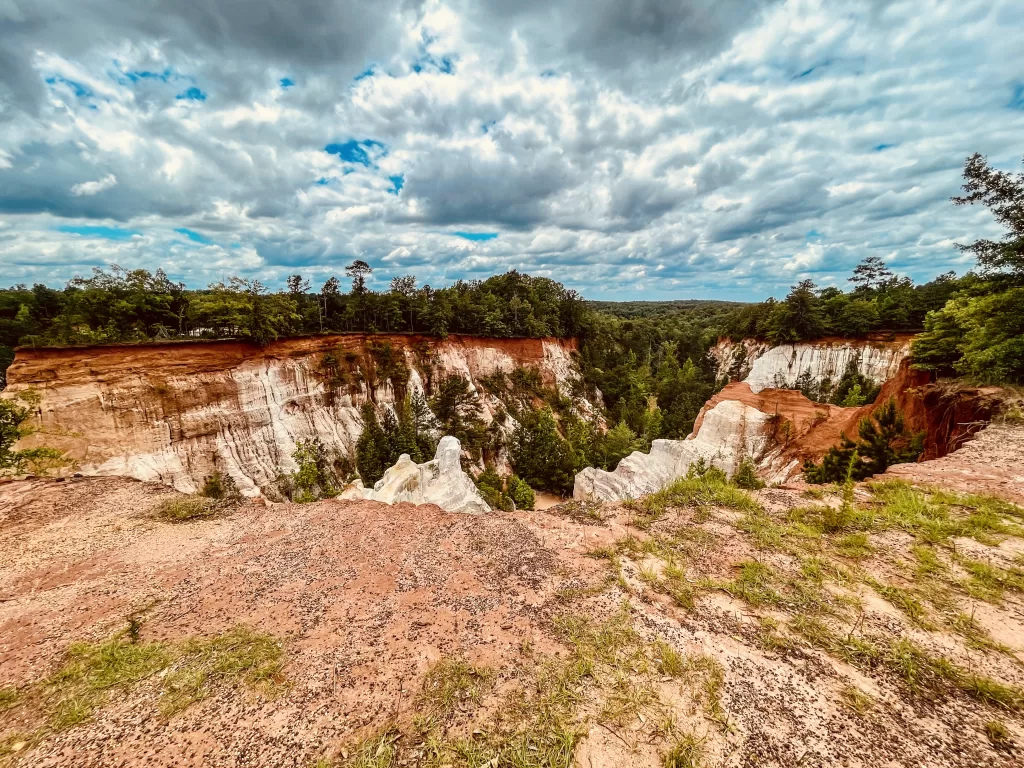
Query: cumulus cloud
[664,149]
[87,188]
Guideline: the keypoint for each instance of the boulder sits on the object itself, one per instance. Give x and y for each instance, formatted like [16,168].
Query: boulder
[440,481]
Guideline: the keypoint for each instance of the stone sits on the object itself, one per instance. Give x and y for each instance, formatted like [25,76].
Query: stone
[727,433]
[440,481]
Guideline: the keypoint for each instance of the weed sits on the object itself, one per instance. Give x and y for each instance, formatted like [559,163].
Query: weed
[903,599]
[999,736]
[765,532]
[753,584]
[768,636]
[91,670]
[184,509]
[377,751]
[856,699]
[687,752]
[922,673]
[675,584]
[928,562]
[975,635]
[452,684]
[707,491]
[9,697]
[855,546]
[670,662]
[988,582]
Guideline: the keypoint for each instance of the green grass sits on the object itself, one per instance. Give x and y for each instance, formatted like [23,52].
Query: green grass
[988,582]
[185,509]
[452,684]
[687,752]
[937,516]
[921,673]
[753,584]
[905,600]
[999,736]
[91,672]
[698,492]
[376,751]
[239,655]
[671,663]
[856,546]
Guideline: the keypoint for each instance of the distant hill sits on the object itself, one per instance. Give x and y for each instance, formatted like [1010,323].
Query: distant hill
[637,309]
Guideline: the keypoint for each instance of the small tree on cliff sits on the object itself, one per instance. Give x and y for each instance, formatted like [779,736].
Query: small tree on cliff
[12,428]
[884,441]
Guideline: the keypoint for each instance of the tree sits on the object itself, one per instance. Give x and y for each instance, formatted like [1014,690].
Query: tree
[358,270]
[870,275]
[1003,194]
[540,456]
[797,318]
[371,448]
[314,479]
[12,428]
[296,285]
[884,441]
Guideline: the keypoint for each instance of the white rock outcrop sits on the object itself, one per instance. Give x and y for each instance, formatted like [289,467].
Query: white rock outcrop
[729,431]
[765,367]
[440,481]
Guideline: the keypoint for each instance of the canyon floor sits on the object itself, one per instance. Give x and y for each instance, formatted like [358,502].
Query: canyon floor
[703,626]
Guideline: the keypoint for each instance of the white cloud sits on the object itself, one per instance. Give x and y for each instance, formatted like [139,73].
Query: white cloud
[87,188]
[728,148]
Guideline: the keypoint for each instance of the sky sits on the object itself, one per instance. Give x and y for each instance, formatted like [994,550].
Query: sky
[630,150]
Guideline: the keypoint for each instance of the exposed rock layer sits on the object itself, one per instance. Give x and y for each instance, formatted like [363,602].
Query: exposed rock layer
[440,481]
[176,412]
[763,366]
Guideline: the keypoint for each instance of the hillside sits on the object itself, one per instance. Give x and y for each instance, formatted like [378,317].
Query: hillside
[704,625]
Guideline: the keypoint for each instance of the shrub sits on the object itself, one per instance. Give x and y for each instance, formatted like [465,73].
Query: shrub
[521,493]
[218,486]
[746,476]
[884,441]
[314,479]
[492,489]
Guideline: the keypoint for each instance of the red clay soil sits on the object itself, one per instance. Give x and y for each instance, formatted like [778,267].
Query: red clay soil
[364,597]
[84,365]
[949,413]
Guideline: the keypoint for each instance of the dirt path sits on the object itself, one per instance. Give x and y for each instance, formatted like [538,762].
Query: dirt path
[366,599]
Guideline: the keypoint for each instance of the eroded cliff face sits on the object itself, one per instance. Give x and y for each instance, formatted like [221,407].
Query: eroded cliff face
[177,412]
[763,366]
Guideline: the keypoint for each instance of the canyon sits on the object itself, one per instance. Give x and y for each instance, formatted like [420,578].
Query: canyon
[175,413]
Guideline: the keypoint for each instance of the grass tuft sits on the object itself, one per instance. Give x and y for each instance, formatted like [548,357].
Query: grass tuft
[687,752]
[452,684]
[185,509]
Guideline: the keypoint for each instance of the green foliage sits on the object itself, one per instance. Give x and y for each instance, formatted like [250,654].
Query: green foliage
[746,476]
[521,493]
[884,441]
[36,460]
[458,411]
[383,441]
[492,489]
[314,479]
[220,486]
[541,456]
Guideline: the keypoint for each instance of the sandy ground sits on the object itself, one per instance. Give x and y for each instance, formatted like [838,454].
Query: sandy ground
[366,597]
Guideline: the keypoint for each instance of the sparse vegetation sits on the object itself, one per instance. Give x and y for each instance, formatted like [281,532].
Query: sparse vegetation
[184,509]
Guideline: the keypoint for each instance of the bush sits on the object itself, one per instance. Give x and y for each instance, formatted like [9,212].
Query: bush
[218,486]
[884,441]
[492,489]
[521,493]
[746,476]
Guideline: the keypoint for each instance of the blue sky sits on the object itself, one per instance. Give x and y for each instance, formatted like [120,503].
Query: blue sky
[651,149]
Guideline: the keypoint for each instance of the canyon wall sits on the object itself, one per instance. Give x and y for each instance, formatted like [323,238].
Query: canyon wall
[177,412]
[763,366]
